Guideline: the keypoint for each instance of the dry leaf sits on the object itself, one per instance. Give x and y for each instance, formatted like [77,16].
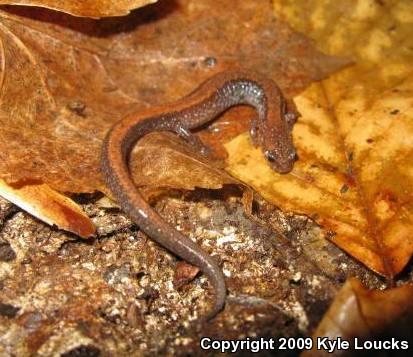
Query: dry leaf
[163,160]
[184,273]
[366,315]
[86,8]
[66,80]
[49,206]
[355,136]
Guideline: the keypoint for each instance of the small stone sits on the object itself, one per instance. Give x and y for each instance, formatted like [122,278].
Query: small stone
[8,310]
[7,254]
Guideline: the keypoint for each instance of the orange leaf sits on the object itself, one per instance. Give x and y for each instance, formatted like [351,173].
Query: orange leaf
[50,206]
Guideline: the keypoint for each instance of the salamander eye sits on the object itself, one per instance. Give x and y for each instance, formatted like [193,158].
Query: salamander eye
[270,156]
[293,155]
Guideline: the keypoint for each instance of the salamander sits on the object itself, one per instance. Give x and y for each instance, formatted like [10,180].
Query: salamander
[271,130]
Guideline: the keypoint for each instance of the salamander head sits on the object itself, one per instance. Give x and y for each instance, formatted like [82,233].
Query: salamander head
[279,148]
[282,159]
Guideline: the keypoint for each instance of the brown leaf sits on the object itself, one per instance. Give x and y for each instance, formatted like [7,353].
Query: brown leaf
[85,8]
[65,80]
[163,160]
[354,139]
[367,315]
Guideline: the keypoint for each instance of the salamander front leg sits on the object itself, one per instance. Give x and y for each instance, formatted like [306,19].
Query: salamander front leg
[254,132]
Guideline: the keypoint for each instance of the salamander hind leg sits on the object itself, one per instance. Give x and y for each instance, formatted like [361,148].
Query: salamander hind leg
[192,139]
